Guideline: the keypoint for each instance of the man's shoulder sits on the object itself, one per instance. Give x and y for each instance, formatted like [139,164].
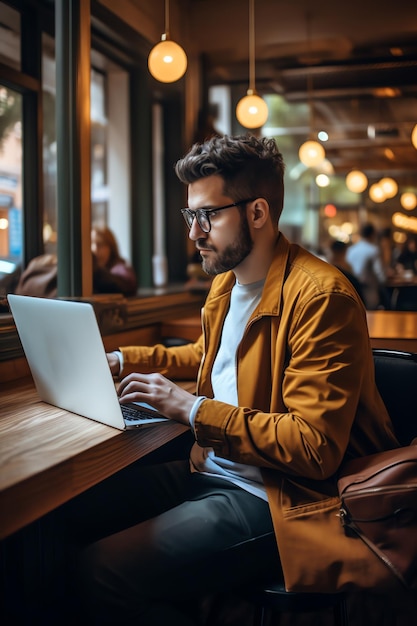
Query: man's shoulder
[310,275]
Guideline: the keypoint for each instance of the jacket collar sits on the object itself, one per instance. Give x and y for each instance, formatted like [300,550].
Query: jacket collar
[270,303]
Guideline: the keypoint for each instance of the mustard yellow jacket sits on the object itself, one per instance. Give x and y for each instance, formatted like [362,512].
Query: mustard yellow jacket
[307,402]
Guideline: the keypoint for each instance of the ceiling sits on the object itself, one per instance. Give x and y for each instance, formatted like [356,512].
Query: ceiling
[361,57]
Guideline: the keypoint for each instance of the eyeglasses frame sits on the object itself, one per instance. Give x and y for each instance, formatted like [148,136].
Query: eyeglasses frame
[195,214]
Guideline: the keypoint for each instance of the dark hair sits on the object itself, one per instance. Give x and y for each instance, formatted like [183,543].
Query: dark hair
[338,246]
[368,230]
[250,168]
[109,239]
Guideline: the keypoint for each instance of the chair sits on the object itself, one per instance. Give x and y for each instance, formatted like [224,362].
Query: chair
[396,379]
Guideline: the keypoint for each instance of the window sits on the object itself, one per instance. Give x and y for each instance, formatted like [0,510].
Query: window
[11,208]
[121,146]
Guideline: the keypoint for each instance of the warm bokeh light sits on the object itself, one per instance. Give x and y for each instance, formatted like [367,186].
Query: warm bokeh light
[399,237]
[252,111]
[405,222]
[408,200]
[342,233]
[4,223]
[322,180]
[347,227]
[311,153]
[167,61]
[356,181]
[388,186]
[330,210]
[414,137]
[47,232]
[325,167]
[376,193]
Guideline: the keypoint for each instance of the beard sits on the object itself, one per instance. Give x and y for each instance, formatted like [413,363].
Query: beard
[232,255]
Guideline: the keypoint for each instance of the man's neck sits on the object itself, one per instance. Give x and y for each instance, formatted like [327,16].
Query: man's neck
[256,265]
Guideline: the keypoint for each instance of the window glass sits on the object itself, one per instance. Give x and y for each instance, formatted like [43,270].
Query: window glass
[99,189]
[10,187]
[110,149]
[99,148]
[49,145]
[10,154]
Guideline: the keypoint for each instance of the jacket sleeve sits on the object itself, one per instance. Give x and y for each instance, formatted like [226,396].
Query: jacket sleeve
[325,381]
[179,362]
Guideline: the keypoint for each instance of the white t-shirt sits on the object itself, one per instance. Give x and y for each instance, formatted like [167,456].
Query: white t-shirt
[244,299]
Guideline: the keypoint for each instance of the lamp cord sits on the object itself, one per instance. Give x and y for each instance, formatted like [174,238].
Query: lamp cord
[167,18]
[252,45]
[310,77]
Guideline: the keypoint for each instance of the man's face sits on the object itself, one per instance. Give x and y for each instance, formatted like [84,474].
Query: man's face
[229,242]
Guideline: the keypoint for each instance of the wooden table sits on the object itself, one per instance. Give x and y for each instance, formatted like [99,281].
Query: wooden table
[396,330]
[182,328]
[48,455]
[402,293]
[387,329]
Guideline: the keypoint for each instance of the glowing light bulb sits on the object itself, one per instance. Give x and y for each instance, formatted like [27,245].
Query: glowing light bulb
[389,187]
[252,110]
[167,61]
[322,180]
[311,153]
[356,181]
[376,193]
[408,200]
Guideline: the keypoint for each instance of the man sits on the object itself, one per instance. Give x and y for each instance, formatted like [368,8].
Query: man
[285,393]
[364,257]
[337,258]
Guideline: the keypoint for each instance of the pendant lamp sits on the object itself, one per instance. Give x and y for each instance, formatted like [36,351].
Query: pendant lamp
[311,152]
[356,181]
[252,110]
[167,61]
[389,186]
[376,193]
[408,200]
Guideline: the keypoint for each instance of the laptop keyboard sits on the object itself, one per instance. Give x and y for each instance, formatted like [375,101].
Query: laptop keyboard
[133,413]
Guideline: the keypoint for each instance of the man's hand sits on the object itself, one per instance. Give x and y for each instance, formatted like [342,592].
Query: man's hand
[114,363]
[161,393]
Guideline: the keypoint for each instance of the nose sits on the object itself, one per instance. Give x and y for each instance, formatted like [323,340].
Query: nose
[196,232]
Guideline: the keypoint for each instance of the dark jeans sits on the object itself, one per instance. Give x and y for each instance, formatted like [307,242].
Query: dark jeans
[160,538]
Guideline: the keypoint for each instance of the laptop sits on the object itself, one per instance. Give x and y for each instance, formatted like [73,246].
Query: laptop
[65,352]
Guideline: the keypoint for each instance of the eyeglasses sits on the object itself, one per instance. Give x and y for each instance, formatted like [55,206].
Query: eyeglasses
[203,215]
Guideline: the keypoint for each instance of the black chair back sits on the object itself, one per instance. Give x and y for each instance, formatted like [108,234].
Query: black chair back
[396,379]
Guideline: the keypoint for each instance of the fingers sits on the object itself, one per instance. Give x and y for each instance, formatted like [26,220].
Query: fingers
[138,383]
[161,393]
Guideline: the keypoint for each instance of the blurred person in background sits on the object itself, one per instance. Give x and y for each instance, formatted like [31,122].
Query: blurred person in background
[112,274]
[386,246]
[364,256]
[337,257]
[407,258]
[39,278]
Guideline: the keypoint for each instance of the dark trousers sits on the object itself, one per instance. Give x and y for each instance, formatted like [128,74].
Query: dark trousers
[160,538]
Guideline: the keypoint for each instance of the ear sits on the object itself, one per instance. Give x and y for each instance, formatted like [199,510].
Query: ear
[259,213]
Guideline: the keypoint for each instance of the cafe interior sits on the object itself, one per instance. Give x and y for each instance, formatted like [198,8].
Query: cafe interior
[92,121]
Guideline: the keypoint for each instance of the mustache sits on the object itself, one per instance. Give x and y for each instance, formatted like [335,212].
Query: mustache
[202,245]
